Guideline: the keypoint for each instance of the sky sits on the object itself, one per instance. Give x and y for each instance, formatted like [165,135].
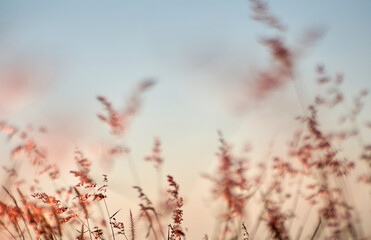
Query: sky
[61,55]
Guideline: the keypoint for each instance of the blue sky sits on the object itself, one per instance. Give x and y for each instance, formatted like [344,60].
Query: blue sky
[197,51]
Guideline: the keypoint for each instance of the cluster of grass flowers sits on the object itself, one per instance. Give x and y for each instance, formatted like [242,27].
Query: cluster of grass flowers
[305,194]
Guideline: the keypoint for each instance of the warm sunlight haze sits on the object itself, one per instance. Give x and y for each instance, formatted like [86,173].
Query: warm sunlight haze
[174,120]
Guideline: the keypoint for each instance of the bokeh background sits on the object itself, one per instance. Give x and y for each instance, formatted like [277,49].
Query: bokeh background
[58,56]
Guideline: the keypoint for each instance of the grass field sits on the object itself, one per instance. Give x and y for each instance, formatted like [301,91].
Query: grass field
[317,186]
